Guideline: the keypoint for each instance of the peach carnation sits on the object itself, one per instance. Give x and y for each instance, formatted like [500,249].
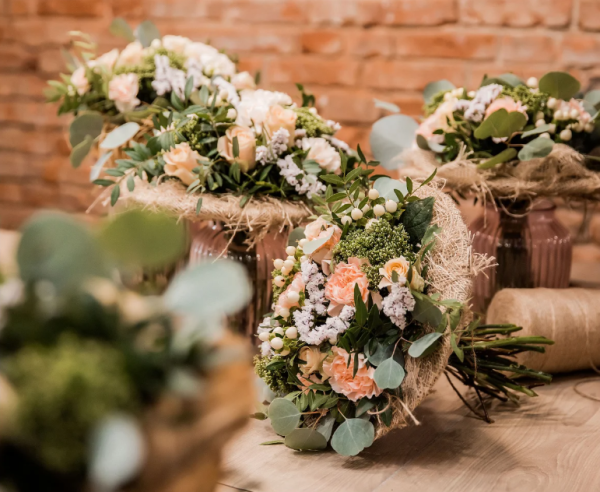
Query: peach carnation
[338,370]
[340,286]
[505,103]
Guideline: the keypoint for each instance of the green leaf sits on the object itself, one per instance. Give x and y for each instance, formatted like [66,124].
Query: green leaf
[209,289]
[364,405]
[507,79]
[114,196]
[386,186]
[80,151]
[272,443]
[147,32]
[536,131]
[130,183]
[501,124]
[143,239]
[382,352]
[436,87]
[284,416]
[99,165]
[417,217]
[189,86]
[560,85]
[311,246]
[120,136]
[593,99]
[296,235]
[389,374]
[305,440]
[540,147]
[421,346]
[457,350]
[120,28]
[360,154]
[86,124]
[236,147]
[361,314]
[426,311]
[504,156]
[311,166]
[390,136]
[198,205]
[353,436]
[388,106]
[325,427]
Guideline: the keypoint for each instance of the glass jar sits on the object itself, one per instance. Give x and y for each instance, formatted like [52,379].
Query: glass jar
[531,247]
[212,240]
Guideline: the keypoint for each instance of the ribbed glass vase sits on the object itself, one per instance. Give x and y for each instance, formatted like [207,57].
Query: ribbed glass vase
[531,247]
[211,240]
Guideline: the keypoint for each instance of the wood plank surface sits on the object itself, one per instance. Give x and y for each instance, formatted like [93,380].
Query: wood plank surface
[547,444]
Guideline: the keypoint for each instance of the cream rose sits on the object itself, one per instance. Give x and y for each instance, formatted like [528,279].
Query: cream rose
[123,90]
[80,81]
[243,80]
[132,55]
[195,51]
[323,153]
[343,380]
[179,162]
[246,146]
[178,44]
[398,265]
[106,61]
[313,358]
[277,118]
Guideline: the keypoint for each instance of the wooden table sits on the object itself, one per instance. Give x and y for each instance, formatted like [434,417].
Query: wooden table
[548,444]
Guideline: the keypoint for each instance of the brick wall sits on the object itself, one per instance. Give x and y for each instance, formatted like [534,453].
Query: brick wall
[346,51]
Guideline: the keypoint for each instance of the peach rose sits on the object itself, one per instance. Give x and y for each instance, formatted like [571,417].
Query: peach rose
[296,286]
[398,265]
[340,286]
[106,61]
[314,360]
[132,55]
[243,80]
[80,81]
[278,117]
[323,153]
[178,44]
[319,229]
[246,146]
[338,370]
[179,162]
[505,103]
[123,90]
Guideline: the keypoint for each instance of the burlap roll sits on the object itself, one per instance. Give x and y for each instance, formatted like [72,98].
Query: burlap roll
[570,317]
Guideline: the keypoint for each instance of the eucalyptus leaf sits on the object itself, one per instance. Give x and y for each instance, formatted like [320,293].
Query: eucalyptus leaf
[119,27]
[147,32]
[353,436]
[284,416]
[305,440]
[593,98]
[388,106]
[436,87]
[86,124]
[390,136]
[296,235]
[120,135]
[99,165]
[381,353]
[508,79]
[325,426]
[311,166]
[311,246]
[536,131]
[389,374]
[426,312]
[386,186]
[80,151]
[417,217]
[501,124]
[420,346]
[504,156]
[560,85]
[540,147]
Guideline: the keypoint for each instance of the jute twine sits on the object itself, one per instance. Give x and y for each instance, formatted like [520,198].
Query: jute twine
[560,174]
[452,266]
[570,317]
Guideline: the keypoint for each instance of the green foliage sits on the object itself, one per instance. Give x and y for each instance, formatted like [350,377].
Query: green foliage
[305,440]
[284,416]
[353,436]
[276,379]
[314,125]
[390,136]
[560,85]
[540,147]
[501,124]
[433,89]
[417,217]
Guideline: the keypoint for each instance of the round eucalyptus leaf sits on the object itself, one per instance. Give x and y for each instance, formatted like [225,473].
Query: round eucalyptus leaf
[119,27]
[540,147]
[436,87]
[311,246]
[420,346]
[560,85]
[305,440]
[209,289]
[80,151]
[296,235]
[388,106]
[284,416]
[120,136]
[99,165]
[509,79]
[117,452]
[389,374]
[501,124]
[325,426]
[381,353]
[86,124]
[593,98]
[390,136]
[386,186]
[147,32]
[352,437]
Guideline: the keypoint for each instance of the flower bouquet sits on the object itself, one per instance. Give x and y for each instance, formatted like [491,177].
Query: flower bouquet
[105,389]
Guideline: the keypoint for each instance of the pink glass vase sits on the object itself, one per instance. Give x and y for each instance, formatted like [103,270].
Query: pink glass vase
[532,249]
[211,240]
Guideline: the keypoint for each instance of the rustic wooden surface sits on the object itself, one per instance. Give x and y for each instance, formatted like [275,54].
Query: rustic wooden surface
[548,444]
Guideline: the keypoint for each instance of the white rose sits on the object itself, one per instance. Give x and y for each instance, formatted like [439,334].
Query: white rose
[132,55]
[217,64]
[195,51]
[106,61]
[180,161]
[80,81]
[255,105]
[243,80]
[324,154]
[123,90]
[177,44]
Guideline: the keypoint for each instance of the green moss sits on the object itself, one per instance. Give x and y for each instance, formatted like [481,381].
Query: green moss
[277,379]
[533,100]
[63,392]
[147,67]
[379,243]
[314,125]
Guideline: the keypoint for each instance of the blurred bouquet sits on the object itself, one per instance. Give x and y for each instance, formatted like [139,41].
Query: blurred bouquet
[96,380]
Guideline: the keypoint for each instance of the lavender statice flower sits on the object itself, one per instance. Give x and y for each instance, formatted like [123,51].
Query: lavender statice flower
[262,154]
[167,78]
[279,141]
[397,304]
[307,332]
[474,109]
[304,184]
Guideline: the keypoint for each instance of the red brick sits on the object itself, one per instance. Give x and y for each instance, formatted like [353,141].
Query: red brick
[322,42]
[12,216]
[10,192]
[581,49]
[410,104]
[15,57]
[75,8]
[77,198]
[443,44]
[33,141]
[348,106]
[517,13]
[536,48]
[258,11]
[357,135]
[21,84]
[30,113]
[589,15]
[311,70]
[419,12]
[343,12]
[40,31]
[42,195]
[411,75]
[371,42]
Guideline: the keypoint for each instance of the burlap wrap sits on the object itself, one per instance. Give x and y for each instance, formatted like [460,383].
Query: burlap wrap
[560,174]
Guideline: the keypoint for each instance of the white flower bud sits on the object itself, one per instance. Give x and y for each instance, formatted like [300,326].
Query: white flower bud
[278,263]
[291,332]
[356,214]
[302,242]
[545,135]
[277,343]
[278,331]
[574,114]
[566,135]
[293,296]
[279,281]
[289,264]
[333,340]
[539,115]
[373,194]
[447,96]
[290,250]
[284,312]
[285,352]
[391,206]
[285,270]
[589,127]
[552,103]
[303,258]
[231,114]
[264,336]
[291,258]
[558,115]
[471,94]
[532,82]
[156,43]
[346,219]
[539,123]
[366,208]
[552,128]
[378,210]
[577,127]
